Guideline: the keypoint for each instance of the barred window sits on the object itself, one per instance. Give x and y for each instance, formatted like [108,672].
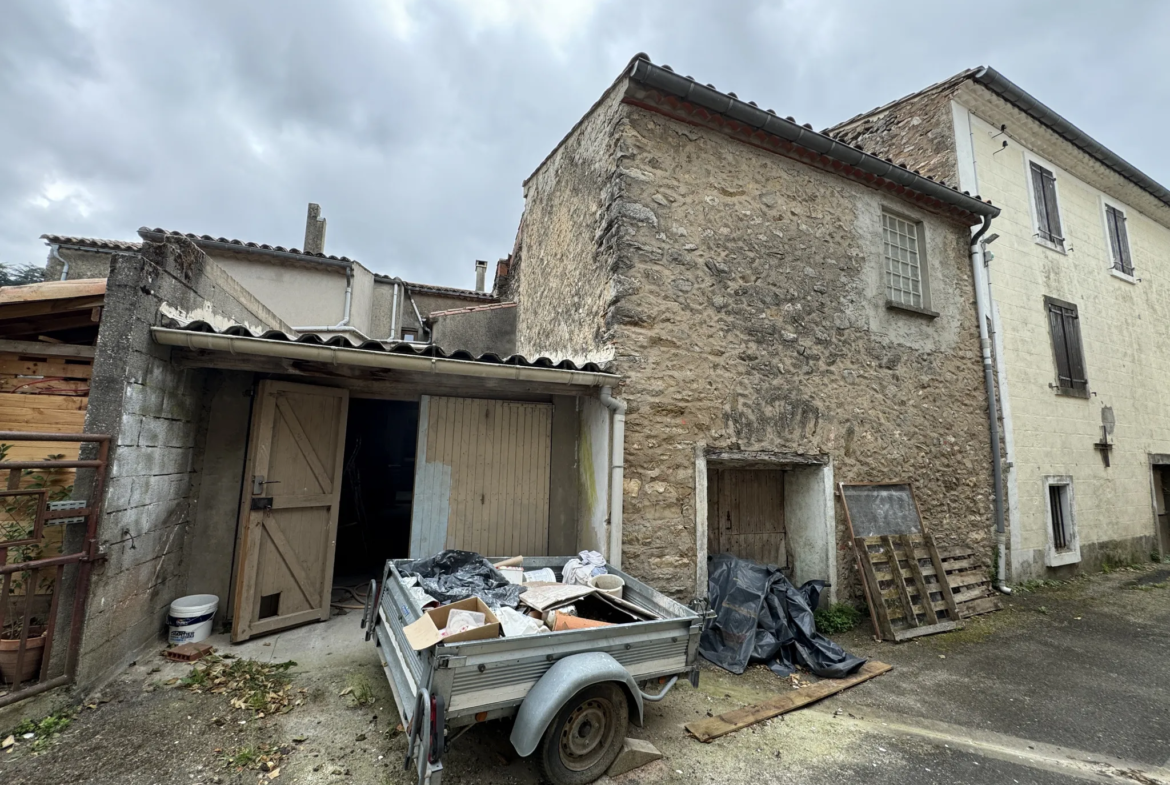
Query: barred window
[902,243]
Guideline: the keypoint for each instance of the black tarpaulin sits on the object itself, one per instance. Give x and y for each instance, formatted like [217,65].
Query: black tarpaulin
[761,617]
[450,576]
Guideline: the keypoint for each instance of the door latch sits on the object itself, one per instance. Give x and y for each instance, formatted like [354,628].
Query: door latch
[258,484]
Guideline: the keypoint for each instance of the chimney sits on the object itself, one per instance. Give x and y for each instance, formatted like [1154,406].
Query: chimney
[480,274]
[314,230]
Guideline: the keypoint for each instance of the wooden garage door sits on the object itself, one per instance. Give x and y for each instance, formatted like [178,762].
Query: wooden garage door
[289,516]
[482,477]
[745,514]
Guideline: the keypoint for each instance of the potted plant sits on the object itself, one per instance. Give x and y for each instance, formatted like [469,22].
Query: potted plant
[34,651]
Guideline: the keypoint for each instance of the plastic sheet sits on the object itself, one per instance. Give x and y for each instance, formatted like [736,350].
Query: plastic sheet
[761,617]
[450,576]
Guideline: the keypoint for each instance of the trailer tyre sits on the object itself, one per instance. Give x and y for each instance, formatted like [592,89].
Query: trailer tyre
[585,737]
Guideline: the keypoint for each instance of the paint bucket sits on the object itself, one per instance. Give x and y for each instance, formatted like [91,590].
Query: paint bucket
[190,618]
[608,584]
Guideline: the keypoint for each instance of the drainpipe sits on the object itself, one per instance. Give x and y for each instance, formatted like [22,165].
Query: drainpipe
[617,474]
[54,252]
[343,326]
[421,324]
[983,309]
[394,313]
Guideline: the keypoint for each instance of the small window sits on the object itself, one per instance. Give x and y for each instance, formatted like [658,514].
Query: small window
[1064,545]
[903,245]
[409,335]
[1118,240]
[1058,515]
[1047,210]
[1065,326]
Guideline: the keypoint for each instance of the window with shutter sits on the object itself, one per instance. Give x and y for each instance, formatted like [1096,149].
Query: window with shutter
[1047,210]
[1118,240]
[1064,324]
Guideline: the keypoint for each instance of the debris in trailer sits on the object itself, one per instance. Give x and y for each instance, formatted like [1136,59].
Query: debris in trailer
[761,617]
[587,565]
[453,575]
[712,728]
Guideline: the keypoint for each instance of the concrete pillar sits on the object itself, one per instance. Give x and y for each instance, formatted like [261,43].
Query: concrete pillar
[480,276]
[314,230]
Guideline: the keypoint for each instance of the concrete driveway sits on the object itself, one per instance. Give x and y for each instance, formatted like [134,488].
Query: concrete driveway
[1068,684]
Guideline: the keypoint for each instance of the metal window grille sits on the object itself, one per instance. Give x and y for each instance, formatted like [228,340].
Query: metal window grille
[1058,507]
[903,265]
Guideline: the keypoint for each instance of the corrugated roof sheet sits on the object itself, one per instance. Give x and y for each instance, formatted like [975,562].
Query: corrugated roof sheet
[148,233]
[395,347]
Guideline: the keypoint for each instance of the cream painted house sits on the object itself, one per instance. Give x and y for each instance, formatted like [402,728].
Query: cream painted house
[1078,271]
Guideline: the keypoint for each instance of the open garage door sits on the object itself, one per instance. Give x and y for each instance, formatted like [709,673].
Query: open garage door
[482,477]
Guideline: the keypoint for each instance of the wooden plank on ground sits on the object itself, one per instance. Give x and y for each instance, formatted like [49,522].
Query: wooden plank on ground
[980,606]
[715,727]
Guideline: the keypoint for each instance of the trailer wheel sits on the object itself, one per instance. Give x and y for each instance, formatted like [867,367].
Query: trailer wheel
[585,737]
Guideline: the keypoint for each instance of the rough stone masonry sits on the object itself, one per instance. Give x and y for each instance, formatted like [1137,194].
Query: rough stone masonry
[741,296]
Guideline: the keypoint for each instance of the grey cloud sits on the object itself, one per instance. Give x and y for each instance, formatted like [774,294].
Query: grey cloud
[225,118]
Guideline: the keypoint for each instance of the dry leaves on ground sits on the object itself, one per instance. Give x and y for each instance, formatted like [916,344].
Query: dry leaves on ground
[259,687]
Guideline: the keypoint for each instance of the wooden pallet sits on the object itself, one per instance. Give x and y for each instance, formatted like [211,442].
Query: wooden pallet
[900,570]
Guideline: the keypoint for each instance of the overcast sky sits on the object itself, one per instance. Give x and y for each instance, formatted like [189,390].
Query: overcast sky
[414,122]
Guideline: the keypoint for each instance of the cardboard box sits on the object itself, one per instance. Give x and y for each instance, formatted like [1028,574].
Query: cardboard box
[424,633]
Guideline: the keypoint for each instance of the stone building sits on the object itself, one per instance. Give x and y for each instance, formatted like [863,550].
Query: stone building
[1078,301]
[730,266]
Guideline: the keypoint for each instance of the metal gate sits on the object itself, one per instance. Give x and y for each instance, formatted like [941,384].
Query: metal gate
[27,666]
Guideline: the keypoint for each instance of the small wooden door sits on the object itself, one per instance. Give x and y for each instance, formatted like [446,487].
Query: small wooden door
[745,514]
[288,523]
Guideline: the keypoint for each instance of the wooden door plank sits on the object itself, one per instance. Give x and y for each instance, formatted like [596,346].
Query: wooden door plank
[285,549]
[919,582]
[256,463]
[341,422]
[713,728]
[303,442]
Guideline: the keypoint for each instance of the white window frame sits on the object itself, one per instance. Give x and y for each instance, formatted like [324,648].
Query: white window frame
[1072,553]
[1057,176]
[1107,202]
[922,263]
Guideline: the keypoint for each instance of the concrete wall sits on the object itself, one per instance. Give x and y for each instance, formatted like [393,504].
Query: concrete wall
[478,330]
[153,410]
[82,264]
[211,542]
[748,313]
[1126,348]
[302,295]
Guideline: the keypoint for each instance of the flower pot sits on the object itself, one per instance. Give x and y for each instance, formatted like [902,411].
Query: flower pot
[34,650]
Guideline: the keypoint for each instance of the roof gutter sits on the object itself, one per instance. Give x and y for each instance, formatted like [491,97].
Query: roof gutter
[689,90]
[1026,103]
[336,355]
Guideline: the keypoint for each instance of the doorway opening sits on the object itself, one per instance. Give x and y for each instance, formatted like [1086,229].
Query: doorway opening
[1161,509]
[373,522]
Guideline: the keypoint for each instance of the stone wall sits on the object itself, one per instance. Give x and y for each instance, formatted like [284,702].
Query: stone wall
[748,312]
[478,330]
[82,264]
[153,410]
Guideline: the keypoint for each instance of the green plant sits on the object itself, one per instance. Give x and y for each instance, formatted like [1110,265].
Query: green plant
[837,618]
[358,688]
[46,728]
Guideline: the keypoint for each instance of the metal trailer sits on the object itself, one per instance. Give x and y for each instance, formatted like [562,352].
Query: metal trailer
[572,693]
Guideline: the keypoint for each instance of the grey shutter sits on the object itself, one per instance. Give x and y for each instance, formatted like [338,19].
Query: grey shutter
[1050,203]
[1111,218]
[1059,346]
[1038,195]
[1076,357]
[1123,242]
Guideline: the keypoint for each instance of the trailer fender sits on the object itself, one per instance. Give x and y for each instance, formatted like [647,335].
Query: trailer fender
[562,681]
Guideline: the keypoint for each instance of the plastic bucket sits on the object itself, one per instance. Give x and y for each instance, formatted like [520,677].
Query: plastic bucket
[190,618]
[608,584]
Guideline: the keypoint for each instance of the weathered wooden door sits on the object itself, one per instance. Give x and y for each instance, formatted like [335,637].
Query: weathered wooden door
[482,477]
[745,514]
[289,516]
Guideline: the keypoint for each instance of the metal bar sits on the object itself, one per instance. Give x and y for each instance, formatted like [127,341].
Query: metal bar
[35,689]
[4,592]
[52,626]
[26,436]
[17,465]
[22,648]
[81,590]
[69,558]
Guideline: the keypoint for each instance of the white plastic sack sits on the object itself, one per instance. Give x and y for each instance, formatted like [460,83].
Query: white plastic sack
[420,596]
[461,621]
[516,623]
[544,574]
[587,564]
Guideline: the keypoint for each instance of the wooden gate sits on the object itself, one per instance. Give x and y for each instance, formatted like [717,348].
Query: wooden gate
[289,519]
[482,477]
[745,514]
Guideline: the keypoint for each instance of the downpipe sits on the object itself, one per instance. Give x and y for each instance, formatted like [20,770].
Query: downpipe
[983,309]
[55,252]
[343,326]
[617,474]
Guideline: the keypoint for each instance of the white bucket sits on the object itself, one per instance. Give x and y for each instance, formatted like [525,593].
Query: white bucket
[190,618]
[608,584]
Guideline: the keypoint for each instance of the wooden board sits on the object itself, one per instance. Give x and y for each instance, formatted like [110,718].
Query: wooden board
[714,727]
[745,514]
